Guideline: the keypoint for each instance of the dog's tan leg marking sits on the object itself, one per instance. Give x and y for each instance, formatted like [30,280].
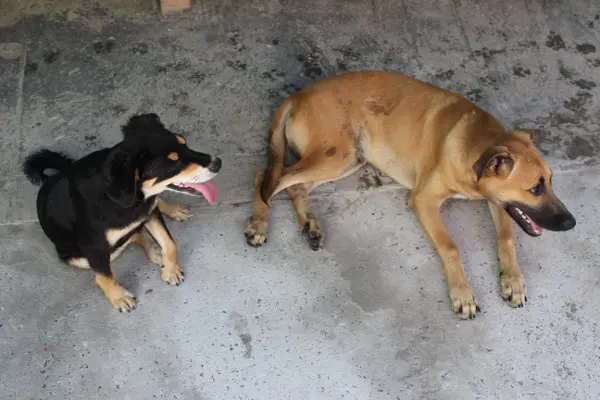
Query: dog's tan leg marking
[171,272]
[258,225]
[312,170]
[308,222]
[426,206]
[176,212]
[120,298]
[152,248]
[513,285]
[321,165]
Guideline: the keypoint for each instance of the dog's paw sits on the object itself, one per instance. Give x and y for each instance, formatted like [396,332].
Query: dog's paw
[180,213]
[256,232]
[122,299]
[313,233]
[514,289]
[464,302]
[173,276]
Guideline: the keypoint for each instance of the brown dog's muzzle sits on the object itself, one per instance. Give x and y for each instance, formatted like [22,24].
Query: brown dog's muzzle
[533,220]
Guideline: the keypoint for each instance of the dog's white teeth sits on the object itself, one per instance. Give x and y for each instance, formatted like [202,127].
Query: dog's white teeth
[524,216]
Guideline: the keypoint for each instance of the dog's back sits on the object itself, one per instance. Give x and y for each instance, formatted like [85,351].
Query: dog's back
[55,209]
[375,116]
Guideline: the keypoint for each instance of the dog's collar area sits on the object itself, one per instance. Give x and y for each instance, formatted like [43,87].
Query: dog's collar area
[524,221]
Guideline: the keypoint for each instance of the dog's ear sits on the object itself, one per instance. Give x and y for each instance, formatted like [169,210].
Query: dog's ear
[121,171]
[495,161]
[142,123]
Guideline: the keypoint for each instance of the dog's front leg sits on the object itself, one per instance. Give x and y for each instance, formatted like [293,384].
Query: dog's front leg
[98,258]
[171,272]
[427,209]
[513,285]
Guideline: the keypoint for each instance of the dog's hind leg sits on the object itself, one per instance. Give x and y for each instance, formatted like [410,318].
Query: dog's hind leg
[80,262]
[176,212]
[143,238]
[308,222]
[511,279]
[321,166]
[153,251]
[258,225]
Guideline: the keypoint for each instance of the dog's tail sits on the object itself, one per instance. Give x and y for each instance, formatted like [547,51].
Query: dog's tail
[276,151]
[36,164]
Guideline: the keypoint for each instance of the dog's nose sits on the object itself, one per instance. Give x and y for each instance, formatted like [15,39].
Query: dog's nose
[215,165]
[568,223]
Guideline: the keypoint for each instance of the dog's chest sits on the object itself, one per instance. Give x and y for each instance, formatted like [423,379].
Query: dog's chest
[113,235]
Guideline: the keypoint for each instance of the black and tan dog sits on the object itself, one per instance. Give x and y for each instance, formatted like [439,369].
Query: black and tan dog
[94,207]
[434,142]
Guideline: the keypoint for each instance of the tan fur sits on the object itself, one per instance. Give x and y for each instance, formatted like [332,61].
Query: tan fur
[171,272]
[163,252]
[432,141]
[176,212]
[113,235]
[120,298]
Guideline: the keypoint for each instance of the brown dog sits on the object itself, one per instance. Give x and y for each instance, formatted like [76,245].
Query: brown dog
[432,141]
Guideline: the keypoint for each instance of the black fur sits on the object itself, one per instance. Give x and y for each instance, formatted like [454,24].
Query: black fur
[37,163]
[103,190]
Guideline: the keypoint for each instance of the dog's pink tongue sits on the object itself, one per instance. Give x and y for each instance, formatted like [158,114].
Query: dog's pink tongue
[536,228]
[208,189]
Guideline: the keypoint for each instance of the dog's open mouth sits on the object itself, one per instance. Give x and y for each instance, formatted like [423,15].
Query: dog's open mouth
[524,221]
[207,189]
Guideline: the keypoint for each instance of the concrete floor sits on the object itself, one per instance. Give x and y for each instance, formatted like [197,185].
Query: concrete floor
[366,318]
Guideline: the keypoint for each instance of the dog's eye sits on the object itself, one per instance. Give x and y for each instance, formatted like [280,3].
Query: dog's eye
[538,189]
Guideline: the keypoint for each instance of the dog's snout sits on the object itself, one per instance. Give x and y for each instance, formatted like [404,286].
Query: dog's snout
[568,222]
[215,165]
